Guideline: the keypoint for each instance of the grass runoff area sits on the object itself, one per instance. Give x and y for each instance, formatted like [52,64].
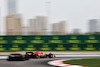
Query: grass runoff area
[95,62]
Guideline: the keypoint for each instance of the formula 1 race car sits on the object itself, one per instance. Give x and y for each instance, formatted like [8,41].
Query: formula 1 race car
[18,57]
[39,55]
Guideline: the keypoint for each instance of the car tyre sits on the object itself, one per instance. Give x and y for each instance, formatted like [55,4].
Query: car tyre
[23,59]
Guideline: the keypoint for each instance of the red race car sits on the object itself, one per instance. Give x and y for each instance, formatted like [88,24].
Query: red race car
[38,54]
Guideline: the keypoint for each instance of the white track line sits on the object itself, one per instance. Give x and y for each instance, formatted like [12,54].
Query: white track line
[77,55]
[3,57]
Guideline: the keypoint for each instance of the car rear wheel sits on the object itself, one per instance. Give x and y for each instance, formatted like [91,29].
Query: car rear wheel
[23,59]
[36,56]
[27,58]
[50,55]
[8,60]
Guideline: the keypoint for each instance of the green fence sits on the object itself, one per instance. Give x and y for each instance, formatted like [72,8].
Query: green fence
[50,43]
[50,47]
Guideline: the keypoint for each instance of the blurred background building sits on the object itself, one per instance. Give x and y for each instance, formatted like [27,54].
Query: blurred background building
[76,31]
[38,25]
[12,6]
[13,24]
[98,26]
[59,28]
[93,25]
[25,30]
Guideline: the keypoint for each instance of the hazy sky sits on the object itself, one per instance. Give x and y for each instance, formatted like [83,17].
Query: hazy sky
[75,12]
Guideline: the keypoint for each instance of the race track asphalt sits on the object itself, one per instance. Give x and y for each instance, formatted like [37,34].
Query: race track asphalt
[41,62]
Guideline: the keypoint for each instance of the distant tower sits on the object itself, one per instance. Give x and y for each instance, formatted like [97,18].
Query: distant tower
[48,13]
[76,31]
[12,6]
[93,25]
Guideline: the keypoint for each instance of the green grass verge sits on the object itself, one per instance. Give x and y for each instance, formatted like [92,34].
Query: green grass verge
[95,62]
